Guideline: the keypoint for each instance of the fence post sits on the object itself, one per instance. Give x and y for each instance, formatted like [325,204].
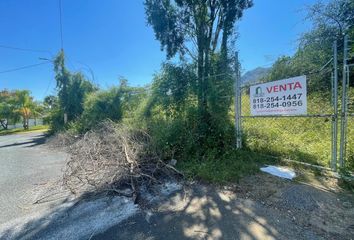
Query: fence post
[344,109]
[335,107]
[238,104]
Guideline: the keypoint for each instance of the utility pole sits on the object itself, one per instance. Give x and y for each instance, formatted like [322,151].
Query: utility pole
[62,50]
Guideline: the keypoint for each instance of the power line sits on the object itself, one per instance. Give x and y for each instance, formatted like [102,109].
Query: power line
[49,84]
[23,49]
[24,67]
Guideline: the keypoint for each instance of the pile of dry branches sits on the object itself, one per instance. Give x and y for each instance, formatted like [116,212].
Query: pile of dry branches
[114,157]
[61,140]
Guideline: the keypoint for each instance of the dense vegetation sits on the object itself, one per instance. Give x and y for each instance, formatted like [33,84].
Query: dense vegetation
[330,22]
[188,107]
[310,139]
[16,106]
[187,110]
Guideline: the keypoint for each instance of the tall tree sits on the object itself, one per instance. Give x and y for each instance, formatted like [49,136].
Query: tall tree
[331,21]
[77,90]
[197,29]
[62,77]
[37,109]
[72,89]
[5,109]
[23,103]
[50,102]
[335,14]
[8,111]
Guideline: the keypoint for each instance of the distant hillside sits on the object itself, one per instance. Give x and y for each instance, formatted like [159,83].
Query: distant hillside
[254,76]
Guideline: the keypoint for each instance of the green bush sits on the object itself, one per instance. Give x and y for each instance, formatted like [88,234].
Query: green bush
[99,106]
[171,137]
[55,120]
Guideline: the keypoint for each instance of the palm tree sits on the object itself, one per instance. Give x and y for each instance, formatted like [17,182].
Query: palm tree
[24,105]
[37,110]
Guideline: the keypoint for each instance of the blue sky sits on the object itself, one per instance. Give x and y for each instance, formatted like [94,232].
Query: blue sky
[112,38]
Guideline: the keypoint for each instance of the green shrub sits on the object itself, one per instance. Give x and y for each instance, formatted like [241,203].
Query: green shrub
[171,137]
[99,106]
[55,120]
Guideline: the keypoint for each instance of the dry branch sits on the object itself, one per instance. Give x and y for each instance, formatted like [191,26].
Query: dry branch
[114,157]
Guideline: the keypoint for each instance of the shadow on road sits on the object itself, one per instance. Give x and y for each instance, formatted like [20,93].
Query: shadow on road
[198,212]
[32,142]
[67,219]
[204,214]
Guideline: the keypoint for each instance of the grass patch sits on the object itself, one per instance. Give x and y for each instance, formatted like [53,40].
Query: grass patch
[20,130]
[301,139]
[269,140]
[227,167]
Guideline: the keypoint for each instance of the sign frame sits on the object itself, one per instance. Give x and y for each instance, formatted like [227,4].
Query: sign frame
[285,97]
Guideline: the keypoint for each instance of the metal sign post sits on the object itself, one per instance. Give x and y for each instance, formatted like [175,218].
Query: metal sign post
[335,108]
[238,105]
[344,109]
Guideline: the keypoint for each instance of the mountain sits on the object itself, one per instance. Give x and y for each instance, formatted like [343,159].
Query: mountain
[254,76]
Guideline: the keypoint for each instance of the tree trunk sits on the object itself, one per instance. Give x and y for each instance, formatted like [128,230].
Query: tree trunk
[200,79]
[25,123]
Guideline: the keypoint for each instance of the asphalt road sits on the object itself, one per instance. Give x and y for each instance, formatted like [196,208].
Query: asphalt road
[25,163]
[30,170]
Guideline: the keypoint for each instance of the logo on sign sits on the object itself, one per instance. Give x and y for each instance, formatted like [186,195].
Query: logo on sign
[258,92]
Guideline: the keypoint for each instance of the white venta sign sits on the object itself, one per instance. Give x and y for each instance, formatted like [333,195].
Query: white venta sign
[283,97]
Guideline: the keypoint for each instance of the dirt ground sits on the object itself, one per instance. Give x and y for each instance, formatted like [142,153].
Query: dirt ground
[258,207]
[315,202]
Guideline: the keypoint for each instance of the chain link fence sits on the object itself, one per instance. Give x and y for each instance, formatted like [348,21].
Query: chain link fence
[324,136]
[350,131]
[346,158]
[304,138]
